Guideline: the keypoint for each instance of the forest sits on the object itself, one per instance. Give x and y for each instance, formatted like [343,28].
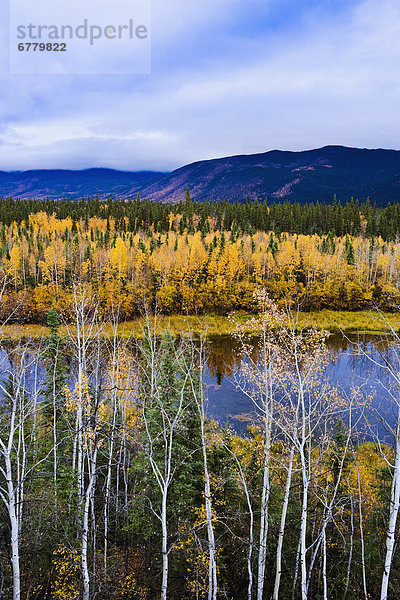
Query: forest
[114,483]
[196,258]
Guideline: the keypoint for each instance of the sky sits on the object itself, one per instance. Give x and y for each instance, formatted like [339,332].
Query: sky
[227,77]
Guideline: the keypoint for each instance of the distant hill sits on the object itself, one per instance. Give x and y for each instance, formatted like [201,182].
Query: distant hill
[298,176]
[59,183]
[278,175]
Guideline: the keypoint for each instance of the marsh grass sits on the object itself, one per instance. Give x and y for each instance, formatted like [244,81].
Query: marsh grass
[359,321]
[333,321]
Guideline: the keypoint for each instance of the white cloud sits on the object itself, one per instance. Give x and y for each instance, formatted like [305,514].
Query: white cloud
[334,78]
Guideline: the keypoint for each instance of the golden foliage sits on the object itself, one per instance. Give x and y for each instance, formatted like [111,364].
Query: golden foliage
[194,271]
[66,563]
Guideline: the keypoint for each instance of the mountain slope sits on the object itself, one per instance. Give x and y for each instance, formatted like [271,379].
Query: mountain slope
[302,176]
[278,175]
[61,183]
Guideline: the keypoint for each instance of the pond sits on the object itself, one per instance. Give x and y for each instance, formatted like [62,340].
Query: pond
[346,369]
[226,404]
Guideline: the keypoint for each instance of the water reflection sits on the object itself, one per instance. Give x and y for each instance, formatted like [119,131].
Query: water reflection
[349,367]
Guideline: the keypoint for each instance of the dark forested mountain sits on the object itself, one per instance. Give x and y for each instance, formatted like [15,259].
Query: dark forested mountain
[309,176]
[297,176]
[59,183]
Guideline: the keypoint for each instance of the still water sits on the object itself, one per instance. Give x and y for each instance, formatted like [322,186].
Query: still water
[347,369]
[226,404]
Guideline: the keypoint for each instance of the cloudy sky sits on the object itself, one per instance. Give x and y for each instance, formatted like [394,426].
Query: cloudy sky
[227,77]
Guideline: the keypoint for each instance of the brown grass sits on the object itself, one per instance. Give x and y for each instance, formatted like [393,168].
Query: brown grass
[333,321]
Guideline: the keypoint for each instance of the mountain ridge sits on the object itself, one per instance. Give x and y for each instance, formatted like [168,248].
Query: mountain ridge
[70,183]
[302,176]
[308,175]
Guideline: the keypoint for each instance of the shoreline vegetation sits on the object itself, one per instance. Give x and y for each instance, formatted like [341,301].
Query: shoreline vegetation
[121,487]
[108,441]
[361,322]
[198,259]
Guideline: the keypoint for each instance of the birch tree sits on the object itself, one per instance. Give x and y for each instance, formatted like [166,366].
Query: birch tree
[196,366]
[257,378]
[303,414]
[56,374]
[165,396]
[282,526]
[388,364]
[84,406]
[81,329]
[18,456]
[308,409]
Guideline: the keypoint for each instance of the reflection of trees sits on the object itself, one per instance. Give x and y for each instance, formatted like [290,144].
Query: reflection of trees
[224,356]
[385,360]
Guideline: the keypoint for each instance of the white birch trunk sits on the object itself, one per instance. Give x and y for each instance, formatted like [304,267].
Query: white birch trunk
[325,583]
[282,528]
[264,509]
[250,552]
[164,548]
[107,500]
[264,515]
[55,444]
[351,547]
[164,475]
[55,465]
[303,526]
[12,493]
[251,527]
[212,566]
[114,383]
[304,473]
[394,511]
[212,570]
[364,575]
[198,395]
[85,526]
[296,571]
[15,529]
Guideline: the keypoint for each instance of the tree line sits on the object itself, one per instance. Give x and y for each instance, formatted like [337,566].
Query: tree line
[351,218]
[114,484]
[193,267]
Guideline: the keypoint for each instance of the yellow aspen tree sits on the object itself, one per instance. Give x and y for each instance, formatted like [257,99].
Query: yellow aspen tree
[119,257]
[15,263]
